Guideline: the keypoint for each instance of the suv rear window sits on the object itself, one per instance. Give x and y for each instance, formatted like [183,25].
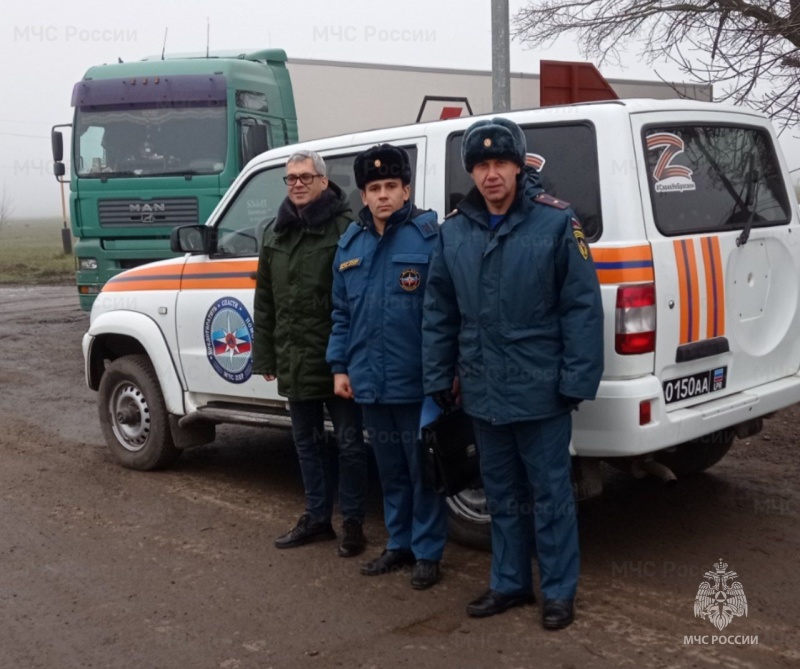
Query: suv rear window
[566,158]
[713,177]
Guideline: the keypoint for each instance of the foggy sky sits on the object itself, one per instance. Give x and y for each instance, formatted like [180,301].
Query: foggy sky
[46,46]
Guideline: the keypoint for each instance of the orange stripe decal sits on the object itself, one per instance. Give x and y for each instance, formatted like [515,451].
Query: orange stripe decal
[694,290]
[211,275]
[715,288]
[719,284]
[683,290]
[711,292]
[141,284]
[630,264]
[689,288]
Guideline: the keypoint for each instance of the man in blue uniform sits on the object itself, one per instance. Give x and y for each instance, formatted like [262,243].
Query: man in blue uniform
[513,314]
[375,352]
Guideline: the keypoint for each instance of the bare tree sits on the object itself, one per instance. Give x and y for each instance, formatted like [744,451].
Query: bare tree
[750,50]
[6,206]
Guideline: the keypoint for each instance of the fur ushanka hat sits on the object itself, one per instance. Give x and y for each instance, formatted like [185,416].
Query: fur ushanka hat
[497,138]
[383,161]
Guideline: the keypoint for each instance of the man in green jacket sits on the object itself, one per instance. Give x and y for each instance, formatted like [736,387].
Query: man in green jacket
[292,325]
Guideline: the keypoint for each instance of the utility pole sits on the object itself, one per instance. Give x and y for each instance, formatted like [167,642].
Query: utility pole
[501,58]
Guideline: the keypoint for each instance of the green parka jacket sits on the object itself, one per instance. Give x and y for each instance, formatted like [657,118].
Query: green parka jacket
[292,301]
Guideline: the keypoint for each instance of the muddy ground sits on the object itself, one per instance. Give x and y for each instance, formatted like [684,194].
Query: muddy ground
[104,567]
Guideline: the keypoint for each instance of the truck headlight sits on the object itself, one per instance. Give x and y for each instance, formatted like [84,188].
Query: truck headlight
[87,263]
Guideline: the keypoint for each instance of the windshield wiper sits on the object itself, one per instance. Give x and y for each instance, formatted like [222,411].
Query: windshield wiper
[177,173]
[105,176]
[750,200]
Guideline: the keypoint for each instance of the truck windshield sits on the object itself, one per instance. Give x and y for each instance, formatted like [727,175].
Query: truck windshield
[150,142]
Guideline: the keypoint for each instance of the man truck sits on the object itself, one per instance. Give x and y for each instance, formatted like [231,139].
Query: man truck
[156,143]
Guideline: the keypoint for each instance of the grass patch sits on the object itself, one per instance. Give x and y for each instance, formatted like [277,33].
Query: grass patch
[31,253]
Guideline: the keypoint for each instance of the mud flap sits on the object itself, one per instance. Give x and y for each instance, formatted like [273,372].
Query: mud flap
[196,433]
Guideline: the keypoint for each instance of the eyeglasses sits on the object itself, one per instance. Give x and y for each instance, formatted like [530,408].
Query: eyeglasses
[304,179]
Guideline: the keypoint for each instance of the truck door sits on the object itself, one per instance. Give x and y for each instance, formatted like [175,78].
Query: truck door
[723,235]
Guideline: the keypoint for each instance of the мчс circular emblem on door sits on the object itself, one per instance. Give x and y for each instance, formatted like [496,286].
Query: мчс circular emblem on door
[228,337]
[410,279]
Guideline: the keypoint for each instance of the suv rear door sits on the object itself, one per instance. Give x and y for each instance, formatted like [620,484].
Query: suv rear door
[726,302]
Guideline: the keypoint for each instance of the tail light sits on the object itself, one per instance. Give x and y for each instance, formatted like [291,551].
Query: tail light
[635,322]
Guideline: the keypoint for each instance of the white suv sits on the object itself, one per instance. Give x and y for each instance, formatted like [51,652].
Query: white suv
[693,227]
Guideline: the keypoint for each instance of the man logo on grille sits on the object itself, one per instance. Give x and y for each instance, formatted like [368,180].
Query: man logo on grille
[720,598]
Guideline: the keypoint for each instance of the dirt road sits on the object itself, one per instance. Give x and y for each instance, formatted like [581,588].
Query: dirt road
[104,567]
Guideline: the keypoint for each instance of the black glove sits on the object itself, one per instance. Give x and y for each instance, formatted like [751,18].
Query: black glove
[573,402]
[444,399]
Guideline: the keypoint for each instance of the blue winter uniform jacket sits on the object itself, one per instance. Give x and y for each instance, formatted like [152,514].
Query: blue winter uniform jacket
[515,313]
[378,292]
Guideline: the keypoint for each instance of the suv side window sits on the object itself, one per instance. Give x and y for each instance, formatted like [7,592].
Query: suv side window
[340,171]
[242,226]
[713,177]
[566,158]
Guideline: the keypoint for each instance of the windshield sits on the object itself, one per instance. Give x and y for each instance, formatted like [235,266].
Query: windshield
[150,142]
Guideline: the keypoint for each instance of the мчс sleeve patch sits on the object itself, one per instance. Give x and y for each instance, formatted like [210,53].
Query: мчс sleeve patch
[580,239]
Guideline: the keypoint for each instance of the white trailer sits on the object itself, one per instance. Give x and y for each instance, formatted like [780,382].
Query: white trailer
[337,97]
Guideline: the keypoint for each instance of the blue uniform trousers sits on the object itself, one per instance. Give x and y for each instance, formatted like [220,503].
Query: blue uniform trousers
[515,458]
[414,514]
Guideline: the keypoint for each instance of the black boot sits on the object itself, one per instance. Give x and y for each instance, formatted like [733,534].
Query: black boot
[353,541]
[389,561]
[491,602]
[425,574]
[306,531]
[557,613]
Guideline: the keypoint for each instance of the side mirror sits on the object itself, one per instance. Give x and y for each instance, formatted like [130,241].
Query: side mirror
[57,144]
[59,170]
[192,239]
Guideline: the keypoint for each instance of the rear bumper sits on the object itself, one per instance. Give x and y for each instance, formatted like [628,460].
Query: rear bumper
[609,426]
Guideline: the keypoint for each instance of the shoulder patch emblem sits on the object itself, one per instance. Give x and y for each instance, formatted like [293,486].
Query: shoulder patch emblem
[580,239]
[544,198]
[576,224]
[347,264]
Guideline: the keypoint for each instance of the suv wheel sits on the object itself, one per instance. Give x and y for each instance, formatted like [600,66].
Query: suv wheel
[133,416]
[469,523]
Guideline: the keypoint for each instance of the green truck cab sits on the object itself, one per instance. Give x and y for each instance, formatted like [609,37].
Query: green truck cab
[156,143]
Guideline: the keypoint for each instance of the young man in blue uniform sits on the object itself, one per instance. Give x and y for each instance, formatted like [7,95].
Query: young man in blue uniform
[513,312]
[375,353]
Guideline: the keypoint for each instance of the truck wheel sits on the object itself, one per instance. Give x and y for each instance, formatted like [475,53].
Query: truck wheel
[133,416]
[468,519]
[699,454]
